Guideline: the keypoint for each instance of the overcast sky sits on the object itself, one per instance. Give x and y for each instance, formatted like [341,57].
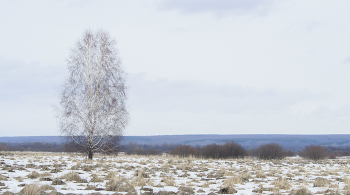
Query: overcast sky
[194,66]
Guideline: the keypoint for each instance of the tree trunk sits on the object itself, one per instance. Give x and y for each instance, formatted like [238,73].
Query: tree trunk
[90,154]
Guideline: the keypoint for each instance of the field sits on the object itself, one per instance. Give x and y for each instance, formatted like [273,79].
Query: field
[60,173]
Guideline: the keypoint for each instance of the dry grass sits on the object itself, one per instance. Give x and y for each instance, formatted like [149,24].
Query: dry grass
[3,178]
[321,182]
[58,182]
[131,174]
[33,175]
[8,193]
[185,189]
[169,181]
[301,191]
[260,174]
[282,183]
[96,178]
[46,187]
[73,176]
[231,181]
[32,189]
[19,178]
[111,175]
[36,189]
[120,185]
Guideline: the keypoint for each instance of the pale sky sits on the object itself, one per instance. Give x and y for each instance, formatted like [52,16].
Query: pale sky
[194,66]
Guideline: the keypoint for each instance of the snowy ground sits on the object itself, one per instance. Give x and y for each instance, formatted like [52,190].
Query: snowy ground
[57,173]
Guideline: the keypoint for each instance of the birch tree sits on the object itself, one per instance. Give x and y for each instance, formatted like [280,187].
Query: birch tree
[92,112]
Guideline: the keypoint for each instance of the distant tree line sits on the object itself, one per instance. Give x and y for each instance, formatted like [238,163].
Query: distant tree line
[131,148]
[265,151]
[144,149]
[215,151]
[32,146]
[227,150]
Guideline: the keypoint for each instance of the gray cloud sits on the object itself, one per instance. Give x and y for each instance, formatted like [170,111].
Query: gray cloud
[29,82]
[163,95]
[27,93]
[260,7]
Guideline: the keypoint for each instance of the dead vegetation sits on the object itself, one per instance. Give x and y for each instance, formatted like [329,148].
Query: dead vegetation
[153,174]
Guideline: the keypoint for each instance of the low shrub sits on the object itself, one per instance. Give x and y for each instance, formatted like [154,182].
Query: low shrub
[228,150]
[184,151]
[270,151]
[313,152]
[211,151]
[233,150]
[289,153]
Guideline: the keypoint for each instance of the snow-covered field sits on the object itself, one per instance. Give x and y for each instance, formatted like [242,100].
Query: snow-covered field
[55,173]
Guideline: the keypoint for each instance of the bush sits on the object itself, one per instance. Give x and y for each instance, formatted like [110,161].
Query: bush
[228,150]
[184,151]
[211,151]
[270,151]
[215,151]
[289,153]
[314,152]
[232,150]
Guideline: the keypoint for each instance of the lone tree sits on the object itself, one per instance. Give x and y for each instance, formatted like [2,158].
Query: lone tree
[92,113]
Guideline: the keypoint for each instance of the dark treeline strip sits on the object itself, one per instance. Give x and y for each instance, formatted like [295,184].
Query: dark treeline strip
[266,151]
[131,148]
[232,150]
[143,149]
[228,150]
[32,146]
[215,151]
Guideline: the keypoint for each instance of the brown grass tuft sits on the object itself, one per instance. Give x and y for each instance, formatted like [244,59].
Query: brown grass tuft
[301,191]
[321,182]
[120,185]
[169,181]
[33,175]
[111,175]
[73,176]
[96,178]
[35,189]
[282,183]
